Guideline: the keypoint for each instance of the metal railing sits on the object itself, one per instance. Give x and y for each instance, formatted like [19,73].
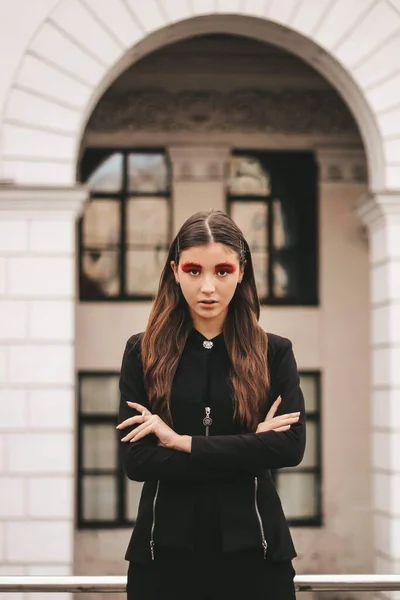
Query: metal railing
[112,584]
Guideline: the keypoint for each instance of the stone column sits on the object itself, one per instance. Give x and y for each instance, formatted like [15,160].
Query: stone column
[37,379]
[199,175]
[381,215]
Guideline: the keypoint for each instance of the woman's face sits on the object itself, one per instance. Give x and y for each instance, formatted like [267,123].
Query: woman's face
[208,276]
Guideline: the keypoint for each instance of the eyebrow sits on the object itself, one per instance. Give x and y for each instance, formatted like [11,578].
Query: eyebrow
[191,264]
[198,266]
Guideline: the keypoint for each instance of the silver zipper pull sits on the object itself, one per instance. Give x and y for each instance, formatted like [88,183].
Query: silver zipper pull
[152,550]
[265,546]
[207,421]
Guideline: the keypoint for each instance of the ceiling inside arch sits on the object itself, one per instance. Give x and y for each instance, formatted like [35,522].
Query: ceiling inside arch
[222,83]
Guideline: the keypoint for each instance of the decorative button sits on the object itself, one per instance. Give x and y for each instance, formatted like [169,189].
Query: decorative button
[207,344]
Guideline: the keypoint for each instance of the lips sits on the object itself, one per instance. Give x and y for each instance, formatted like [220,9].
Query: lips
[208,302]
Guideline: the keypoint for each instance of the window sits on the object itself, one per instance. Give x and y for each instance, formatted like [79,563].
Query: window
[300,488]
[272,196]
[106,498]
[125,231]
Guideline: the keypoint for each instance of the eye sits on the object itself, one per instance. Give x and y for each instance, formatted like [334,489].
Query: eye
[194,272]
[223,272]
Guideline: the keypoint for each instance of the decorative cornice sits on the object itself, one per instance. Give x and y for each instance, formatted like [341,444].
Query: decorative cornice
[342,165]
[198,163]
[26,201]
[243,110]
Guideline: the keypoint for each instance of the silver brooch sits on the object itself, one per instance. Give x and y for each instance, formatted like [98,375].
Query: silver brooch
[208,345]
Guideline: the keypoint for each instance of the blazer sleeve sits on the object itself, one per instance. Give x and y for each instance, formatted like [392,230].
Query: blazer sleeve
[270,449]
[144,460]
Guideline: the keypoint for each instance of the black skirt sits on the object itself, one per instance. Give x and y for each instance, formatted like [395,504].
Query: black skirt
[233,577]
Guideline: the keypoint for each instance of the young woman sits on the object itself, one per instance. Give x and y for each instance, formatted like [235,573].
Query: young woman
[209,404]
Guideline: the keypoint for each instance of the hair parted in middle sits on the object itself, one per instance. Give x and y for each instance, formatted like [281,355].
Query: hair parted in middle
[170,324]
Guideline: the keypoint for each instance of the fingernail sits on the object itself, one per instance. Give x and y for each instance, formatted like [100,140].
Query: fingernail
[117,427]
[123,439]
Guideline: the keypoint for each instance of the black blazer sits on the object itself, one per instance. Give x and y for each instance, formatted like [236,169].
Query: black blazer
[236,462]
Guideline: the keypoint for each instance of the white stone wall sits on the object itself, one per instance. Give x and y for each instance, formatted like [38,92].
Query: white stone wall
[383,221]
[37,397]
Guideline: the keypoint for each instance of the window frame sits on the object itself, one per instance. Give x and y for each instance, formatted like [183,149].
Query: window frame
[315,417]
[121,481]
[123,196]
[268,199]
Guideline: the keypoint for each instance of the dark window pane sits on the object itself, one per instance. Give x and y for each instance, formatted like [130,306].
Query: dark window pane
[99,446]
[143,270]
[309,385]
[100,274]
[298,493]
[147,222]
[147,173]
[260,266]
[101,224]
[132,495]
[99,498]
[100,395]
[247,176]
[107,177]
[252,219]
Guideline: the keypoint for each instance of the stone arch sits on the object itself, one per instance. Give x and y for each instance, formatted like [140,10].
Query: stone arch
[84,45]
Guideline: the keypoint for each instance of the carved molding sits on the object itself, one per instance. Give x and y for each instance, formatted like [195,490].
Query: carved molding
[199,163]
[342,165]
[289,112]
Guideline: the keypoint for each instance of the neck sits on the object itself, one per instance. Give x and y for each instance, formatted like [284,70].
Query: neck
[210,328]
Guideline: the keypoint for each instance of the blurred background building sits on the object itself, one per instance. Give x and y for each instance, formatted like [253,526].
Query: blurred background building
[119,119]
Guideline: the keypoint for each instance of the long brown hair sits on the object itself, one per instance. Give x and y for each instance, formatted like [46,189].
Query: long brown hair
[170,323]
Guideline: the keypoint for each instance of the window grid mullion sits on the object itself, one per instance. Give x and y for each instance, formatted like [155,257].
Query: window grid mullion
[122,254]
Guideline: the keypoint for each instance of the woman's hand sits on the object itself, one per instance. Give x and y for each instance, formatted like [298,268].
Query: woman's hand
[149,423]
[281,423]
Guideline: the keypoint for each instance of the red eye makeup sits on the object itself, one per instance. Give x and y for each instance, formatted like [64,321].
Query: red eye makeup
[190,266]
[228,267]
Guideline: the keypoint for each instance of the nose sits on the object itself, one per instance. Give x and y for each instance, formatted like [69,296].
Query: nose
[207,285]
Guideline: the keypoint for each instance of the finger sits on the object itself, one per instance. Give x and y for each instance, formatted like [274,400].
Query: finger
[134,420]
[276,422]
[285,428]
[295,415]
[145,431]
[133,433]
[139,407]
[131,421]
[273,409]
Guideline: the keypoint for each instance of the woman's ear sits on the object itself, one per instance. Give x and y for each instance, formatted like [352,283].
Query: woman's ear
[174,267]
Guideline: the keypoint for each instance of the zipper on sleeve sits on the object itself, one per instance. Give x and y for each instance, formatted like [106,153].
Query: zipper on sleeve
[154,521]
[207,421]
[263,540]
